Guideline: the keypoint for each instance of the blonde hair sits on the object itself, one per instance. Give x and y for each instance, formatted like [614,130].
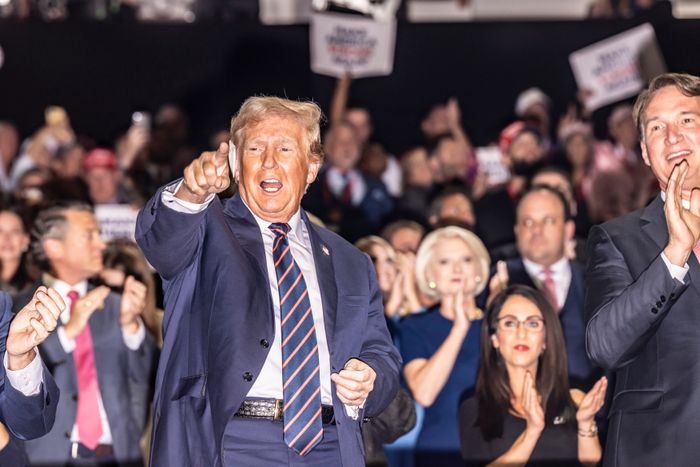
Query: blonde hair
[365,244]
[255,109]
[427,247]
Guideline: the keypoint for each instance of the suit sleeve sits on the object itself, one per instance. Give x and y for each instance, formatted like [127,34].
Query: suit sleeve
[26,417]
[169,239]
[623,312]
[379,352]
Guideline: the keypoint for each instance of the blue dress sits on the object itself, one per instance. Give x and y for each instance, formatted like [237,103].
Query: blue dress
[421,336]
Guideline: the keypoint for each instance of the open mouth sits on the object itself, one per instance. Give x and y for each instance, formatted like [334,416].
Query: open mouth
[522,348]
[271,185]
[678,155]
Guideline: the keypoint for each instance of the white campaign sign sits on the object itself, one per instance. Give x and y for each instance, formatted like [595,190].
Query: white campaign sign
[116,221]
[346,43]
[617,67]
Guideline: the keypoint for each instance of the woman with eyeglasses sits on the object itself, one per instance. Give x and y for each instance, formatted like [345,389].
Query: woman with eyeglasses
[523,412]
[440,347]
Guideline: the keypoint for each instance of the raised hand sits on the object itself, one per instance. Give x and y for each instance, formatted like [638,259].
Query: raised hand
[591,404]
[83,309]
[354,382]
[532,407]
[393,303]
[208,174]
[32,325]
[683,224]
[132,305]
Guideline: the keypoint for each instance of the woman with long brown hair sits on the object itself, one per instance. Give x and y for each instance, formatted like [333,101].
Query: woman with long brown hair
[523,412]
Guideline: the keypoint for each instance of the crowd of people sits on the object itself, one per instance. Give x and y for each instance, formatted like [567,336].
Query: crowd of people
[478,254]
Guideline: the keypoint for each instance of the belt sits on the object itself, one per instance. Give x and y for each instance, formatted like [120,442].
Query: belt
[80,451]
[271,409]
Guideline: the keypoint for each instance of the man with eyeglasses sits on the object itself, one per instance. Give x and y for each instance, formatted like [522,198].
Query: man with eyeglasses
[542,229]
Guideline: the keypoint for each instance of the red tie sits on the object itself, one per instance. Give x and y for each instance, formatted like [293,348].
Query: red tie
[88,417]
[346,195]
[549,289]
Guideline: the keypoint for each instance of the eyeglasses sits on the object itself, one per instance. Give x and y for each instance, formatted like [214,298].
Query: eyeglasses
[511,324]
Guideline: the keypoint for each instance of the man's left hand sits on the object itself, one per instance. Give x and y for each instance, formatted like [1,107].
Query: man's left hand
[354,382]
[32,325]
[133,304]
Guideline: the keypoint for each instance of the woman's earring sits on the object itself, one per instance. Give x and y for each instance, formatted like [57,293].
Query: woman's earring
[432,285]
[477,279]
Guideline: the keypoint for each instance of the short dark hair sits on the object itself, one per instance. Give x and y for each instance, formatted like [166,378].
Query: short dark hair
[540,188]
[687,84]
[492,385]
[51,223]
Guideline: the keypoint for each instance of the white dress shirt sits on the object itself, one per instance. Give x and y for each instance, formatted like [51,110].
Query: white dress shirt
[337,181]
[133,342]
[269,382]
[561,275]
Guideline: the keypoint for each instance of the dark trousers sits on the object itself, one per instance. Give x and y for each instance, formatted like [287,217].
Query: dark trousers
[249,442]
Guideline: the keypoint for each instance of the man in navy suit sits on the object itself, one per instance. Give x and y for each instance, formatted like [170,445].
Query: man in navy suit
[643,290]
[543,228]
[222,385]
[100,355]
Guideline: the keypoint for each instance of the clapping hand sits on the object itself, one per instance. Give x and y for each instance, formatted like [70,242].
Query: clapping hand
[591,404]
[532,407]
[32,325]
[132,305]
[83,309]
[683,224]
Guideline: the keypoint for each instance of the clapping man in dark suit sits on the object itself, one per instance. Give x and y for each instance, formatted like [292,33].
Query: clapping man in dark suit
[275,344]
[100,356]
[643,290]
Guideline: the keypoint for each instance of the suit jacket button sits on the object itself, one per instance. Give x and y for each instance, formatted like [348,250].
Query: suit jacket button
[67,434]
[74,397]
[264,343]
[654,310]
[248,376]
[663,298]
[659,304]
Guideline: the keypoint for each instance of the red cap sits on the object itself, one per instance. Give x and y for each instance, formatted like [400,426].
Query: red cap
[100,158]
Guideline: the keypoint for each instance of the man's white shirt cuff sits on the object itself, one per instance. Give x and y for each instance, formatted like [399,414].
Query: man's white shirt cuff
[185,207]
[677,272]
[134,341]
[27,380]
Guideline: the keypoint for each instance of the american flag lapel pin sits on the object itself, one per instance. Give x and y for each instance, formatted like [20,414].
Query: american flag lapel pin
[325,250]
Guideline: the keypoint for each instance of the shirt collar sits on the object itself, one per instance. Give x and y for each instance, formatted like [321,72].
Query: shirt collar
[63,287]
[295,223]
[684,202]
[535,269]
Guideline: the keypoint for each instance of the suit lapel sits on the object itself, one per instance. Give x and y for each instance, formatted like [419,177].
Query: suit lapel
[323,257]
[653,223]
[246,230]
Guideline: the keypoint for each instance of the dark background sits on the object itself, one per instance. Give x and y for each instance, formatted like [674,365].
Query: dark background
[102,71]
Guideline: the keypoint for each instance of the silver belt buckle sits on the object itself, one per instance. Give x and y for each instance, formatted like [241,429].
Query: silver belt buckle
[74,450]
[278,410]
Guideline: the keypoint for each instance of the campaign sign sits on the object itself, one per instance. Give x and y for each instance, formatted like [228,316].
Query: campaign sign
[617,67]
[342,43]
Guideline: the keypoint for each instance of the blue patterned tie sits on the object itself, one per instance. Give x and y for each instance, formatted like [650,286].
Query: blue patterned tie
[303,428]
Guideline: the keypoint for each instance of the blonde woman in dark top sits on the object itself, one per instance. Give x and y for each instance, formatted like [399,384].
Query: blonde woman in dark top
[523,412]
